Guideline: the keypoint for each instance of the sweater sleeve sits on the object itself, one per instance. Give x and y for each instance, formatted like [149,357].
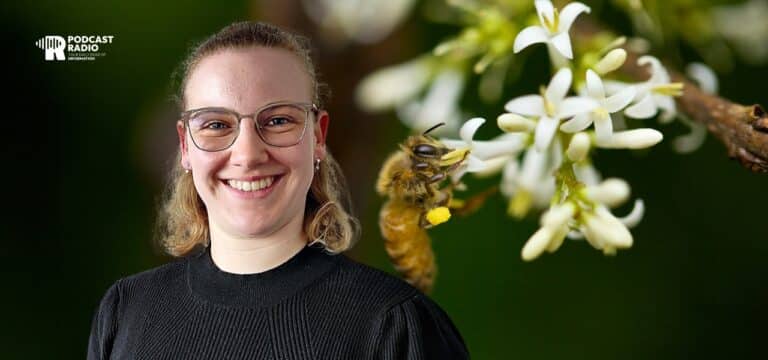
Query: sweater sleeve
[104,325]
[418,328]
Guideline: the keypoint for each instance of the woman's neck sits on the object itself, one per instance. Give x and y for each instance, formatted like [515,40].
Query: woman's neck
[239,255]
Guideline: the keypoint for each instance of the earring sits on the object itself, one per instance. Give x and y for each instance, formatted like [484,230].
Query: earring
[317,164]
[186,171]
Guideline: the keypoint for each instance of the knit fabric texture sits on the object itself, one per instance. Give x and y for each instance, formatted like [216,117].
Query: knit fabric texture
[313,306]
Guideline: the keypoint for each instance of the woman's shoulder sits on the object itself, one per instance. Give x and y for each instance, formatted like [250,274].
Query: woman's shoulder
[404,320]
[363,284]
[158,278]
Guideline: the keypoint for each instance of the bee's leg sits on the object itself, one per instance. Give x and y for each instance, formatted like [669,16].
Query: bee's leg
[420,166]
[436,178]
[475,202]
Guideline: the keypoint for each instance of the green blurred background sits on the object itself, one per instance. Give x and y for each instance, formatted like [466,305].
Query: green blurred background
[82,184]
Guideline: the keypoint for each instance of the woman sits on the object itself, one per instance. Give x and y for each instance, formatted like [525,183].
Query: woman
[256,217]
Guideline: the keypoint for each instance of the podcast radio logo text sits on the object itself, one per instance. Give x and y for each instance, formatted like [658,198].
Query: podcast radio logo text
[73,47]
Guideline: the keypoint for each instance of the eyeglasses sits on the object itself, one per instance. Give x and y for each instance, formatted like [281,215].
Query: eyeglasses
[280,124]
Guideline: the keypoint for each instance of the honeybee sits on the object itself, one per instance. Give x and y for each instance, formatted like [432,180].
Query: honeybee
[411,179]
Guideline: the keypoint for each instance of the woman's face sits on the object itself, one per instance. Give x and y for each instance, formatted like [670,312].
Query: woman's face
[244,80]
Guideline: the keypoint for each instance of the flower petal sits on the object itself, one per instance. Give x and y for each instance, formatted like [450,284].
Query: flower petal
[392,85]
[453,143]
[576,105]
[545,10]
[545,130]
[537,243]
[643,109]
[562,42]
[559,86]
[578,123]
[467,131]
[633,218]
[532,169]
[530,35]
[620,99]
[667,106]
[703,75]
[595,86]
[504,144]
[569,14]
[633,139]
[530,105]
[603,128]
[474,164]
[659,74]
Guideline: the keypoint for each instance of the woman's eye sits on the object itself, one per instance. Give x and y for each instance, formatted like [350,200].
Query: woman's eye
[277,121]
[216,125]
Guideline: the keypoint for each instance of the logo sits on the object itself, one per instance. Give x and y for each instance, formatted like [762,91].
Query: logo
[74,47]
[53,46]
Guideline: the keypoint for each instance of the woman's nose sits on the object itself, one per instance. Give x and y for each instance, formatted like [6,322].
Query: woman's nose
[248,148]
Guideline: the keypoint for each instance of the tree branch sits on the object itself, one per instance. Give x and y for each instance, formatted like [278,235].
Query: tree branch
[742,128]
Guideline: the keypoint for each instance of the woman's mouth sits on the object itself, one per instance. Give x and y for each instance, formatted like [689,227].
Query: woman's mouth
[257,188]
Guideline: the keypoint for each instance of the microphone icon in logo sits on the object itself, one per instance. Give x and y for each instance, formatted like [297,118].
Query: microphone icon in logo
[53,46]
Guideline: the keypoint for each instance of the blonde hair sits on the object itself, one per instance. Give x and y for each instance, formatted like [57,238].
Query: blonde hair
[183,217]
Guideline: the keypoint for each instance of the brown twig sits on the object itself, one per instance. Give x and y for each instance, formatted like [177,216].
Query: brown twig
[742,128]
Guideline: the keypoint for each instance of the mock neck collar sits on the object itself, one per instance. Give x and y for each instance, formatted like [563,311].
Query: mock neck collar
[267,288]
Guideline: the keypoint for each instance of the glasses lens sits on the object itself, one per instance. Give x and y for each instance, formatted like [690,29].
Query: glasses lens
[213,130]
[282,124]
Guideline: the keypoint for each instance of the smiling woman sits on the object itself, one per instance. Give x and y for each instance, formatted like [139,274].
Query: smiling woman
[257,215]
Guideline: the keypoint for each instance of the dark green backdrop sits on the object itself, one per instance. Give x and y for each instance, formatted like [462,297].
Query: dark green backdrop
[86,145]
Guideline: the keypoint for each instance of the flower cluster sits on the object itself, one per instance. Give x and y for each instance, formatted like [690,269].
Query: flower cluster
[544,151]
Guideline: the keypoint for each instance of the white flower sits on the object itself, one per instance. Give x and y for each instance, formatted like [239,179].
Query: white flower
[554,228]
[612,192]
[655,93]
[530,183]
[440,104]
[393,85]
[551,107]
[600,116]
[707,81]
[744,25]
[554,27]
[361,21]
[578,148]
[483,154]
[611,61]
[704,76]
[604,231]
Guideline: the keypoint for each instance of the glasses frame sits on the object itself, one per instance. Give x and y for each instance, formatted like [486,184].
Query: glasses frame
[308,107]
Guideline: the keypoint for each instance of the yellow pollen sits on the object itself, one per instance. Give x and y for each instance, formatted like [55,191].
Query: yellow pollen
[671,89]
[549,107]
[601,112]
[554,23]
[438,215]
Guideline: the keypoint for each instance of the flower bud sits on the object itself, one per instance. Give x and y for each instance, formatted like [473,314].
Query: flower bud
[603,230]
[536,244]
[611,192]
[632,139]
[578,148]
[558,215]
[611,61]
[515,123]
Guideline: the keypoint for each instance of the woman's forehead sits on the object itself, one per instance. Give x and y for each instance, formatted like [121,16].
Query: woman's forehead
[245,79]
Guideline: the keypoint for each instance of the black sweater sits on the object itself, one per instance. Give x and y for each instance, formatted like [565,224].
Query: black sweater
[313,306]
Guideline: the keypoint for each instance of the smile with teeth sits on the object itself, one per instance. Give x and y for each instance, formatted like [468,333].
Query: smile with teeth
[252,185]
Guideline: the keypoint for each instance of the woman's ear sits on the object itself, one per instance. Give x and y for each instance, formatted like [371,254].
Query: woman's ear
[321,131]
[181,131]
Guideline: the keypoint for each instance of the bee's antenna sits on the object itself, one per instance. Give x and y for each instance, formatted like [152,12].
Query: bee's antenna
[433,128]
